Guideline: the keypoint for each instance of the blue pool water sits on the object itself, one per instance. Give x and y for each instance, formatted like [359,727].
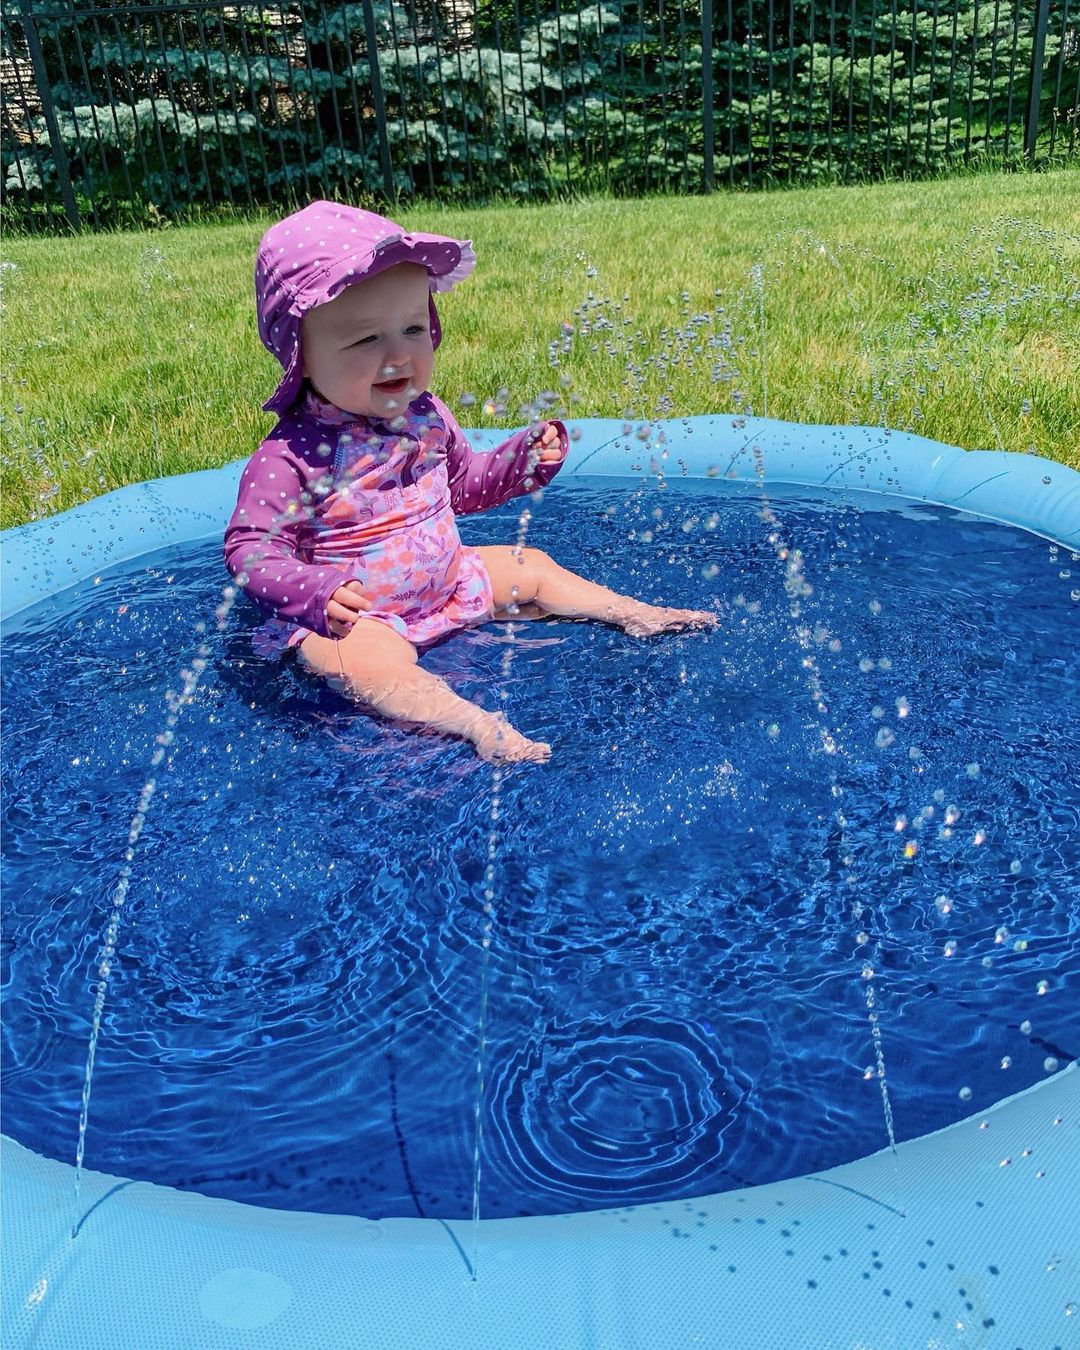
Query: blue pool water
[676,1003]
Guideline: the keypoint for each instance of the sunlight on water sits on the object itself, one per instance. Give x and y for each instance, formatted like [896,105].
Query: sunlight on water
[678,874]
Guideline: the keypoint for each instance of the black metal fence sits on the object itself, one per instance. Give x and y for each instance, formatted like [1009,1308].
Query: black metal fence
[113,113]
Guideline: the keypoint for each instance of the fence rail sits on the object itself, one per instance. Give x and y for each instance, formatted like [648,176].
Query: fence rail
[113,112]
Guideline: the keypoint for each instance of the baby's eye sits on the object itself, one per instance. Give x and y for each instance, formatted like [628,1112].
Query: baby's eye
[413,329]
[365,342]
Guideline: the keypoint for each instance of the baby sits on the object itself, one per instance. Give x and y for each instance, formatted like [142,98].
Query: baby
[344,527]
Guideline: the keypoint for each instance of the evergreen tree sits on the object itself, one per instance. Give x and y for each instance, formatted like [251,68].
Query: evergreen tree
[236,105]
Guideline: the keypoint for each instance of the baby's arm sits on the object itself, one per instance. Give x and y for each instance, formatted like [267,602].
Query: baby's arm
[528,460]
[262,541]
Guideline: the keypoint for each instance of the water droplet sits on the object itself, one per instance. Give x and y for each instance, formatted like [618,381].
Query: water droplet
[1050,1064]
[950,948]
[1042,987]
[1006,1061]
[965,1094]
[875,606]
[884,738]
[973,770]
[943,904]
[1025,1027]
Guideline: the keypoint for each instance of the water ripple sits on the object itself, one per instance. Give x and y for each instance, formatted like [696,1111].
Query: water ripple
[630,1108]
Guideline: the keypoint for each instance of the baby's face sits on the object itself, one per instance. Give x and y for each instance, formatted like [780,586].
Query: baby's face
[369,349]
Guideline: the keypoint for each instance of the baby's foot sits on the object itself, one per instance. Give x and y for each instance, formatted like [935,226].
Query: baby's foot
[643,620]
[501,744]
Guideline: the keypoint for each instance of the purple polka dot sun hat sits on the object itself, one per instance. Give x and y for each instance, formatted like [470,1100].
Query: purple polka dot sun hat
[310,257]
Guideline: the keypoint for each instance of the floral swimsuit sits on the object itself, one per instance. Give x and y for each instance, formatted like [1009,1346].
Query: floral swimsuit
[385,499]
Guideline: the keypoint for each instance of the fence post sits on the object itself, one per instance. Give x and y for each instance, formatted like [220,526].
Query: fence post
[707,90]
[1038,57]
[41,79]
[380,104]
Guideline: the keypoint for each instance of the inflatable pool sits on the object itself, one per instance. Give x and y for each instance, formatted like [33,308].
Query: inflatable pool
[963,1236]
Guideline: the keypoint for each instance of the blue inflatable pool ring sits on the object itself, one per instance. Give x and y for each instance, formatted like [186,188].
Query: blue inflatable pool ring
[933,1244]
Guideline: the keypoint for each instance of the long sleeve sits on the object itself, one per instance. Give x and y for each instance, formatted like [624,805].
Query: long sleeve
[480,480]
[262,541]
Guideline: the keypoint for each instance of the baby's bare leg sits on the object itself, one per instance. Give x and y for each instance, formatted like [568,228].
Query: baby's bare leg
[378,667]
[534,582]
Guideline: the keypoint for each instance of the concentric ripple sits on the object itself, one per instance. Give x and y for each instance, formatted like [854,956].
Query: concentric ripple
[639,1108]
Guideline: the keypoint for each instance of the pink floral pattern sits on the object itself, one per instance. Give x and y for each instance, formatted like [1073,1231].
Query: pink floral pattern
[389,524]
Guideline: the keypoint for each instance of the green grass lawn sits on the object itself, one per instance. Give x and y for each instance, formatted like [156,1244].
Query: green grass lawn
[951,308]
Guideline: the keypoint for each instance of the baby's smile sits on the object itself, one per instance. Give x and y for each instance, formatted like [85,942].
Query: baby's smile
[395,386]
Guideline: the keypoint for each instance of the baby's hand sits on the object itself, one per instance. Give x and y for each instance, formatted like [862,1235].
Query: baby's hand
[547,443]
[343,607]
